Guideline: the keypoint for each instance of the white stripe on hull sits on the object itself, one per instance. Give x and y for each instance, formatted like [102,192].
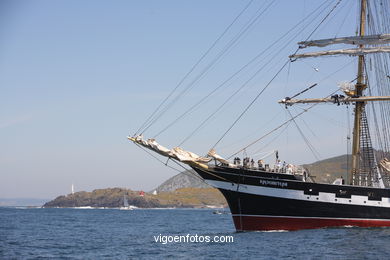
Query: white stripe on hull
[298,194]
[271,216]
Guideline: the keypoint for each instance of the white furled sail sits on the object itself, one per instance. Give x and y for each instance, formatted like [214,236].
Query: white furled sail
[385,164]
[348,88]
[176,153]
[151,144]
[351,52]
[186,156]
[354,40]
[139,139]
[157,147]
[212,153]
[337,99]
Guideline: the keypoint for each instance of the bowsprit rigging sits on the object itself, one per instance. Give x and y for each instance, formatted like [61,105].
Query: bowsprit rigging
[284,196]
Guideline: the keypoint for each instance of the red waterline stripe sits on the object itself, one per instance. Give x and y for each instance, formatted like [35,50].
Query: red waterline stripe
[258,223]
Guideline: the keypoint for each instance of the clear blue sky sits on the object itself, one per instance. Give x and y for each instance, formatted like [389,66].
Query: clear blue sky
[76,77]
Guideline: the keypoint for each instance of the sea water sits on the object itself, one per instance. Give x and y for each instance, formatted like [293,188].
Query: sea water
[36,233]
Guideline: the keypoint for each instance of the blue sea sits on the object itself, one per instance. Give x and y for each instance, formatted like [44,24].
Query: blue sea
[36,233]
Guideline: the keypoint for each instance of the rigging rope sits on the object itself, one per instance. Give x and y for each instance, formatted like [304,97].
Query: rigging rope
[284,65]
[223,52]
[311,147]
[348,137]
[270,132]
[273,139]
[379,22]
[278,127]
[250,104]
[235,74]
[304,110]
[191,171]
[331,11]
[146,124]
[231,77]
[219,55]
[155,157]
[303,91]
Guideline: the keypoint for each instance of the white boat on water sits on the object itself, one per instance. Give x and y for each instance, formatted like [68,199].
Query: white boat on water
[126,205]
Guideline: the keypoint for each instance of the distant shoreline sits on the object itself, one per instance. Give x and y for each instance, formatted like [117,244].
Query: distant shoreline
[86,208]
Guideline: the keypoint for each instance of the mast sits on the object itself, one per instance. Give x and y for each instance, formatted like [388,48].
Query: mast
[364,170]
[359,106]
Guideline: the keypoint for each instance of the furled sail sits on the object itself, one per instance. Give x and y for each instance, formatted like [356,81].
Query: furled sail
[157,147]
[385,164]
[151,144]
[336,99]
[176,153]
[212,153]
[186,156]
[355,40]
[352,52]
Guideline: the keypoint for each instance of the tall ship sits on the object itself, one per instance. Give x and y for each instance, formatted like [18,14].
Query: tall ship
[284,196]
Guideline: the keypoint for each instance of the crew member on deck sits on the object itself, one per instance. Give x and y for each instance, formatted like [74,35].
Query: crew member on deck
[260,164]
[278,166]
[289,169]
[246,162]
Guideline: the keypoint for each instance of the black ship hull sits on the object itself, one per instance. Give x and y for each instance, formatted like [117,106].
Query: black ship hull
[261,200]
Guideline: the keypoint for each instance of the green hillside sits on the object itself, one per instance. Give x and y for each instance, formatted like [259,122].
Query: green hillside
[329,169]
[113,198]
